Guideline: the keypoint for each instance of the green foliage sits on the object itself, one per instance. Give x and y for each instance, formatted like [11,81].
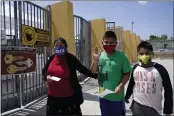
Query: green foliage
[157,38]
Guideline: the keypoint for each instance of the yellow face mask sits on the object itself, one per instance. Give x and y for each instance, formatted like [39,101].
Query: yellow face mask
[144,58]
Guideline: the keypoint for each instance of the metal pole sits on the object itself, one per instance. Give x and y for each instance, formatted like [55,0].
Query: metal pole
[122,39]
[21,77]
[132,25]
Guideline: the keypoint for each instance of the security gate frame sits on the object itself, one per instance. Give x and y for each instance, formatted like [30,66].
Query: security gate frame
[18,90]
[110,26]
[82,30]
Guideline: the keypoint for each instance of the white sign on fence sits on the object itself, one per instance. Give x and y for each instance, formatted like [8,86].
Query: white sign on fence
[3,37]
[3,34]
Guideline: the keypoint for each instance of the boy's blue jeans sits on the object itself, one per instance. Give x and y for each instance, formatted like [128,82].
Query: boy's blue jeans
[112,108]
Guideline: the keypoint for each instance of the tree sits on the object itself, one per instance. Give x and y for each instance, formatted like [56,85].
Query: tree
[164,37]
[157,38]
[152,37]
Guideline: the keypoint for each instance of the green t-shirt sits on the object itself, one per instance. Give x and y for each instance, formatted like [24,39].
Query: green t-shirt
[111,70]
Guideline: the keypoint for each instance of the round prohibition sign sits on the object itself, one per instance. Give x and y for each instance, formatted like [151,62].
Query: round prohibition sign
[29,35]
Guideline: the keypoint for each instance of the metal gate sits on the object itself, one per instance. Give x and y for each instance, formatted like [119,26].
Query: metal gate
[110,26]
[18,90]
[82,29]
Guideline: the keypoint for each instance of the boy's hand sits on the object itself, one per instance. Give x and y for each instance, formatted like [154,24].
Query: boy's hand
[118,89]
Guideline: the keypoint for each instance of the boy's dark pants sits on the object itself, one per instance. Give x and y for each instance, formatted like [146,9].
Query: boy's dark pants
[112,108]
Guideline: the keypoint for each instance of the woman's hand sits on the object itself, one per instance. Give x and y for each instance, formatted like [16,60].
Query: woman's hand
[48,81]
[46,84]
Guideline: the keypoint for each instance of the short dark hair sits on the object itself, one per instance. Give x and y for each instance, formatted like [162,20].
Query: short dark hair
[110,34]
[145,45]
[62,40]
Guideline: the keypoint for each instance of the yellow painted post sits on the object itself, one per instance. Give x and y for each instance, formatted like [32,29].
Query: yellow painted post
[62,23]
[98,28]
[134,49]
[137,43]
[119,33]
[138,40]
[127,44]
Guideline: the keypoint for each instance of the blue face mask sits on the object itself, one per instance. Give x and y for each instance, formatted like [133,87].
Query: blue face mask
[59,50]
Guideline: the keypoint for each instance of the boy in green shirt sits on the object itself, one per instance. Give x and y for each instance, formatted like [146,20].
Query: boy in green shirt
[114,71]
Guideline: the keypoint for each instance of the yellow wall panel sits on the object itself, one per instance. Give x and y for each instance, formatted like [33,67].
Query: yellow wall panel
[127,44]
[62,23]
[98,28]
[134,49]
[138,40]
[119,33]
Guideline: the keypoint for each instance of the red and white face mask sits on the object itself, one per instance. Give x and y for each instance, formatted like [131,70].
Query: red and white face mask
[109,48]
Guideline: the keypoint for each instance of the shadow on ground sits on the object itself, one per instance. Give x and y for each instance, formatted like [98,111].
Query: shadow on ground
[90,97]
[87,96]
[41,112]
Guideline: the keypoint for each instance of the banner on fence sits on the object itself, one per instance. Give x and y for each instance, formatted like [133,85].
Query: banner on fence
[17,60]
[34,36]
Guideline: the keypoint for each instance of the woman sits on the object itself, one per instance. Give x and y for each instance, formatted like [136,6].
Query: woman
[64,96]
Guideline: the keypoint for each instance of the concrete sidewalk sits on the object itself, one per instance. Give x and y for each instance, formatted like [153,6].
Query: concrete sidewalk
[91,104]
[89,107]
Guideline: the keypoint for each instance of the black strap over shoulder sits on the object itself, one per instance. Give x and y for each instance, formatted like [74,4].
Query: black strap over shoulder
[135,66]
[44,70]
[131,83]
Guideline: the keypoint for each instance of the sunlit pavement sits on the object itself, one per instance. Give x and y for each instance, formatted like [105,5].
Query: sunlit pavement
[38,107]
[89,107]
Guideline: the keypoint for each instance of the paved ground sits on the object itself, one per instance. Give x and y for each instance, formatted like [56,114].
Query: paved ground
[90,105]
[38,107]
